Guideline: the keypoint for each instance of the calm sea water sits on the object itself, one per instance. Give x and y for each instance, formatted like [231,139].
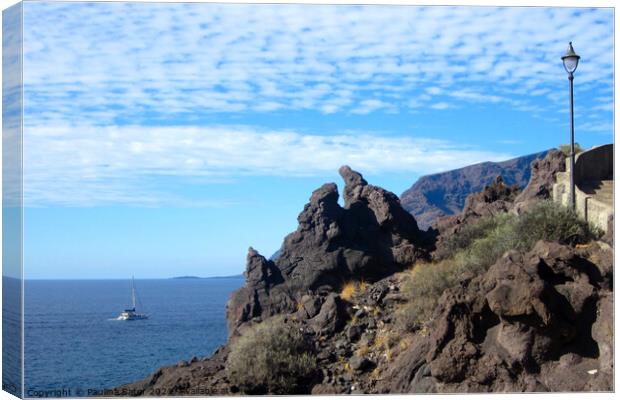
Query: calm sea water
[73,342]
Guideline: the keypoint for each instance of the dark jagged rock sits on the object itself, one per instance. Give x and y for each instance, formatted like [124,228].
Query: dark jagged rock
[331,318]
[498,197]
[369,238]
[309,306]
[410,373]
[494,199]
[205,377]
[497,191]
[262,293]
[542,179]
[522,326]
[359,363]
[601,265]
[443,194]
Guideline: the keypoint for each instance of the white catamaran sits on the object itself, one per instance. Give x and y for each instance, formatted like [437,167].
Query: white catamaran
[130,313]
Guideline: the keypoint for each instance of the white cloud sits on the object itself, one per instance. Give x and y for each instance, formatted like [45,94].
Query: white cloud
[441,106]
[474,96]
[99,75]
[598,127]
[368,106]
[121,164]
[604,107]
[127,61]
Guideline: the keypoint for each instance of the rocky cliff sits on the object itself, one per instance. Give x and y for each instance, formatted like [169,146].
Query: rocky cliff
[369,238]
[442,194]
[536,320]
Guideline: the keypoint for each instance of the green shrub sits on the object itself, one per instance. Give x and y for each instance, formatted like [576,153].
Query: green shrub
[483,252]
[422,288]
[552,222]
[478,246]
[486,240]
[271,357]
[470,233]
[565,149]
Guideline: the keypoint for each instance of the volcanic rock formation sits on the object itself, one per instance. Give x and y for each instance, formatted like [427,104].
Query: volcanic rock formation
[369,238]
[537,321]
[542,179]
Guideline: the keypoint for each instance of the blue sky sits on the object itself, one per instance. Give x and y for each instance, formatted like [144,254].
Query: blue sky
[165,139]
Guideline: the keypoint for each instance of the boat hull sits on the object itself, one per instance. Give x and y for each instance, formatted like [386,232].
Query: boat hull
[131,316]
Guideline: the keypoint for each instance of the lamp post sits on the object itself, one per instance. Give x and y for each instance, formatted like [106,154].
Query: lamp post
[571,60]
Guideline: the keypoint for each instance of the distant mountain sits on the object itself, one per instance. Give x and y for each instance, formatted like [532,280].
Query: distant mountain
[441,194]
[276,254]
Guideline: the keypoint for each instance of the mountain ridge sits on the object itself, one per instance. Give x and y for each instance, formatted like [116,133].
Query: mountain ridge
[444,193]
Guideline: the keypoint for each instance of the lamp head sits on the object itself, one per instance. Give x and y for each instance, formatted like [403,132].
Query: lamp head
[570,59]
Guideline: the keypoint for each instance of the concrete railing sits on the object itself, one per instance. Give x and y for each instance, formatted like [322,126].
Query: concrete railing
[596,164]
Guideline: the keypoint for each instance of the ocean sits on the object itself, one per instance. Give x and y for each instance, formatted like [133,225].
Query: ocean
[72,340]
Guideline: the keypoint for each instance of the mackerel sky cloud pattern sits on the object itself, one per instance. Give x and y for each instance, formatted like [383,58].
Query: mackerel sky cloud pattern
[122,69]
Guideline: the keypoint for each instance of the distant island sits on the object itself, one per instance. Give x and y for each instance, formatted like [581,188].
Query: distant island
[208,277]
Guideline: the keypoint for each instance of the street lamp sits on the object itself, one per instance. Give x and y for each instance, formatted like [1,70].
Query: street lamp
[571,60]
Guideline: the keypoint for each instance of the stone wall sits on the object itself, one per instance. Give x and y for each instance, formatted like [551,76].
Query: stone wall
[591,165]
[594,164]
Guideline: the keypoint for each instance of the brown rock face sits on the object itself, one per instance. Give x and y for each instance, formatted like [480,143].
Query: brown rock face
[497,191]
[331,318]
[495,198]
[263,280]
[369,238]
[530,320]
[197,377]
[542,179]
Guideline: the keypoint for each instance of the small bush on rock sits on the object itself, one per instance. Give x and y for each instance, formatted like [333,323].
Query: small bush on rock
[565,149]
[272,357]
[470,233]
[478,246]
[422,288]
[548,221]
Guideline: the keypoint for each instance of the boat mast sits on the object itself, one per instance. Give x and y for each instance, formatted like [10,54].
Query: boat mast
[133,294]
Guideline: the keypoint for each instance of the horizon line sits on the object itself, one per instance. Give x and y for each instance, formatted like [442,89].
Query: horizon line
[181,277]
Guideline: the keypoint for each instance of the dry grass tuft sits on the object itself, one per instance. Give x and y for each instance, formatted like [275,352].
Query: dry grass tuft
[362,350]
[348,291]
[375,375]
[352,289]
